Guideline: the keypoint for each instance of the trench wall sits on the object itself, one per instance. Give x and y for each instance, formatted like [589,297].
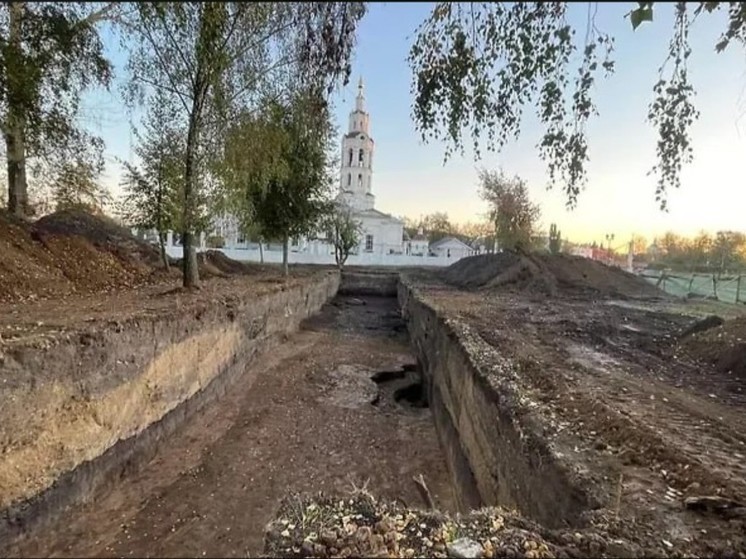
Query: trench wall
[95,404]
[492,442]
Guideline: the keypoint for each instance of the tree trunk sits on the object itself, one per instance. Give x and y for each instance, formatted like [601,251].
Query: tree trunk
[162,245]
[15,132]
[261,251]
[159,214]
[191,272]
[285,267]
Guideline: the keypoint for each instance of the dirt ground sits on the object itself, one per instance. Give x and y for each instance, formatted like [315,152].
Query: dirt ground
[625,398]
[307,418]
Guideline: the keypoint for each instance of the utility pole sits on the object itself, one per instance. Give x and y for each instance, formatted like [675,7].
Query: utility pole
[609,238]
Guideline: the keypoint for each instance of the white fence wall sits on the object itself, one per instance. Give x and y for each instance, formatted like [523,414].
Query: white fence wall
[364,259]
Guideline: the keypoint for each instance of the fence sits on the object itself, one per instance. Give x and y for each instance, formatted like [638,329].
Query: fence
[361,259]
[729,289]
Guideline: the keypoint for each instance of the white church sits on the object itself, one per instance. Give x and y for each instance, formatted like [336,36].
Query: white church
[382,240]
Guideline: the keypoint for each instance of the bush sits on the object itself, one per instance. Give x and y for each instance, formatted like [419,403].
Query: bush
[215,241]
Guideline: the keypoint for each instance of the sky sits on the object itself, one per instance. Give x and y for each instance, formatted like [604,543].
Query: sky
[410,178]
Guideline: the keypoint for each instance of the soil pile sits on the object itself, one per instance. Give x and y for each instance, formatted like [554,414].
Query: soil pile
[102,232]
[71,252]
[723,346]
[546,274]
[227,265]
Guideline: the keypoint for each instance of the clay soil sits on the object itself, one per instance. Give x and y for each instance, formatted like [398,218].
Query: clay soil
[623,394]
[306,418]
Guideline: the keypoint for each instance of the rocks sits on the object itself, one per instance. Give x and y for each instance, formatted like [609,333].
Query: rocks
[464,548]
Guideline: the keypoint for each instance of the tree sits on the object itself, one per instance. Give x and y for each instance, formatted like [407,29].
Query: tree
[639,245]
[151,192]
[76,186]
[214,59]
[728,250]
[436,226]
[292,201]
[49,54]
[343,232]
[555,239]
[476,66]
[514,216]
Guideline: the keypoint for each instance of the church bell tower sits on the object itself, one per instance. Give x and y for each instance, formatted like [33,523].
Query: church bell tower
[356,173]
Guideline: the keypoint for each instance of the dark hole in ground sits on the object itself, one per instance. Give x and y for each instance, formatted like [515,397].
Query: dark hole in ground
[412,394]
[401,372]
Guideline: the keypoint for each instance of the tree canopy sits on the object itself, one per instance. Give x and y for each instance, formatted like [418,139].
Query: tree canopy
[511,211]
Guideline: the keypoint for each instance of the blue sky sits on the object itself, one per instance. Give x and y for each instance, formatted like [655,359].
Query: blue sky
[410,178]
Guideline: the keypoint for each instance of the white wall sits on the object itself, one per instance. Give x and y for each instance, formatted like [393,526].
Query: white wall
[323,257]
[457,250]
[387,235]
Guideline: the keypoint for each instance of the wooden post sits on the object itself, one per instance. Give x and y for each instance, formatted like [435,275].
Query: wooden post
[714,286]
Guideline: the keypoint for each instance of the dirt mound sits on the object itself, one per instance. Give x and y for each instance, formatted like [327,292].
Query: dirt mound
[546,274]
[102,232]
[723,346]
[70,252]
[225,264]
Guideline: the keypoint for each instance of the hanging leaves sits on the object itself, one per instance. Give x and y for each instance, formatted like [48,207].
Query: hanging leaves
[476,67]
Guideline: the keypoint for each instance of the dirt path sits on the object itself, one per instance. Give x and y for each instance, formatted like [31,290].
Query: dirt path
[307,418]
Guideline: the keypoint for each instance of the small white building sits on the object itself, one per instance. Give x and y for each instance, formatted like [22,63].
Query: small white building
[451,247]
[417,245]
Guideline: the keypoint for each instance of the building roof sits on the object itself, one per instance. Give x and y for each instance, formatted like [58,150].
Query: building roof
[376,213]
[356,133]
[447,240]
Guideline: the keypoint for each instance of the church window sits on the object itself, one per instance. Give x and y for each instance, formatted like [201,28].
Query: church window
[368,243]
[360,157]
[350,163]
[349,179]
[360,180]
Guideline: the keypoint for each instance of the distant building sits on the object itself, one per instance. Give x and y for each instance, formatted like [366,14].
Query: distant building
[451,247]
[417,245]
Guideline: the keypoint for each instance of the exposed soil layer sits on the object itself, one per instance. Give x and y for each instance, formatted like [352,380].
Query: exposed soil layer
[82,399]
[302,419]
[613,396]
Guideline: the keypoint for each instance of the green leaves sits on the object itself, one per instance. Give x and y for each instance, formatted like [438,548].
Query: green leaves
[641,14]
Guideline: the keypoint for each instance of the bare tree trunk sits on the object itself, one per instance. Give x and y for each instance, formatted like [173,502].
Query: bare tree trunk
[159,214]
[285,267]
[162,245]
[191,272]
[15,136]
[261,250]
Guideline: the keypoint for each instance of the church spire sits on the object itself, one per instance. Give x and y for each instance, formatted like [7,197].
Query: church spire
[360,100]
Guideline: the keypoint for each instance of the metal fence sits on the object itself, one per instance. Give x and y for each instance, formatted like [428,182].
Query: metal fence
[729,289]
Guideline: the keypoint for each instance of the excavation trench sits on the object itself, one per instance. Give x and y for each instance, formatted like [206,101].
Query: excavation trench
[321,411]
[348,401]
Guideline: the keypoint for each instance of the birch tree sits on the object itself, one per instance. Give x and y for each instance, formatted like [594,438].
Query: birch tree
[50,53]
